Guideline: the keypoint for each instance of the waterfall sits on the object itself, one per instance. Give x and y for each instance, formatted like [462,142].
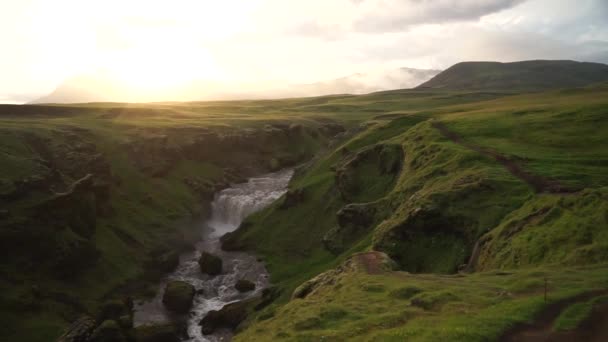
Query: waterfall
[229,208]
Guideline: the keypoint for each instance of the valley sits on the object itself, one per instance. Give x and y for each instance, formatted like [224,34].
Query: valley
[445,212]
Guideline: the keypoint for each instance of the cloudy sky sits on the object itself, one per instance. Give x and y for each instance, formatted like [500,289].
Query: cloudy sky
[151,43]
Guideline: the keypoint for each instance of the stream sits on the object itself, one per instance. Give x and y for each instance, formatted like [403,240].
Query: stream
[228,209]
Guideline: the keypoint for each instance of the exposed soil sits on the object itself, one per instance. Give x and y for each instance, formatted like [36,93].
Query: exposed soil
[371,261]
[538,183]
[594,329]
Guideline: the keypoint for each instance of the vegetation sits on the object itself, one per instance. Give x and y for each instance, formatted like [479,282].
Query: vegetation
[518,76]
[396,198]
[501,184]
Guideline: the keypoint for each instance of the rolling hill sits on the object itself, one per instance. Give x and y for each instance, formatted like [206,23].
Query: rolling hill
[518,76]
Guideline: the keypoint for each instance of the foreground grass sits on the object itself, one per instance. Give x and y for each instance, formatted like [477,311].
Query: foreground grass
[422,307]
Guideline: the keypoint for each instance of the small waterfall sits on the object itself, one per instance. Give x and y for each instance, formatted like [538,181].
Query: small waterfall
[229,208]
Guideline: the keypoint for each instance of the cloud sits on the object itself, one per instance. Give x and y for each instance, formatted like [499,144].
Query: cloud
[395,15]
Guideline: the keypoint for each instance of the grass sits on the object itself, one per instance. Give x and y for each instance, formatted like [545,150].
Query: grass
[575,314]
[476,307]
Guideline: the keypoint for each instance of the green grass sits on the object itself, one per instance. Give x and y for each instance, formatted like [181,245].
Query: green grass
[575,314]
[477,307]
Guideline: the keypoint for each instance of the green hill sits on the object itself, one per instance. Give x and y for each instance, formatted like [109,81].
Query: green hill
[511,189]
[518,76]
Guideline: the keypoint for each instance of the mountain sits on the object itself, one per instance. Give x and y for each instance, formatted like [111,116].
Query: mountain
[102,89]
[525,75]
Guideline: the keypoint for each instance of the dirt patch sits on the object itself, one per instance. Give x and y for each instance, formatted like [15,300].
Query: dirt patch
[538,183]
[373,262]
[594,329]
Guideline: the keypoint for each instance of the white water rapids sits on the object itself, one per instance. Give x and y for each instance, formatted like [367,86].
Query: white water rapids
[229,208]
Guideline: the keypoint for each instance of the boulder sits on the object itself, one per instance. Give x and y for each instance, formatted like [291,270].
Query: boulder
[178,296]
[228,317]
[210,264]
[108,331]
[156,333]
[244,285]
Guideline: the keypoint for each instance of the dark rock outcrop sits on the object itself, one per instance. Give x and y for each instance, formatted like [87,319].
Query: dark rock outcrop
[378,166]
[178,296]
[210,264]
[229,317]
[353,220]
[244,285]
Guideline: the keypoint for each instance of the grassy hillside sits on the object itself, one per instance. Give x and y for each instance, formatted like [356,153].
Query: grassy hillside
[515,183]
[518,76]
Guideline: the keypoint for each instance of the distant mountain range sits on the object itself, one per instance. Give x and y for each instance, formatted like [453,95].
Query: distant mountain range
[518,76]
[101,89]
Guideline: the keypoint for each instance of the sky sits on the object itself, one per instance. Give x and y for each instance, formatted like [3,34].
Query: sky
[150,44]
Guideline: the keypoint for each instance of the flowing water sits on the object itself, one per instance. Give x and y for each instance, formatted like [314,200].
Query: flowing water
[229,208]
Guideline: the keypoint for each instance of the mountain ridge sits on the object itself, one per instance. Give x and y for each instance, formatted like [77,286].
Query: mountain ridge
[521,75]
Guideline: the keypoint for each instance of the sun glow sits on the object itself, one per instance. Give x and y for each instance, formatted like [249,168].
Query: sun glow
[159,67]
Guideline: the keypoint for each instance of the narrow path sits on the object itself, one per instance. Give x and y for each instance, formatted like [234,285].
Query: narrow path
[594,329]
[538,183]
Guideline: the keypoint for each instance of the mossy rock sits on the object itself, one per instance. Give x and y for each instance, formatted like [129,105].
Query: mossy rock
[156,333]
[244,285]
[108,331]
[178,296]
[210,264]
[230,316]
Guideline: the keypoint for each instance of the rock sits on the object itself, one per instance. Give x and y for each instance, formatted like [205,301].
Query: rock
[178,296]
[210,264]
[244,285]
[108,331]
[156,333]
[353,220]
[80,330]
[230,316]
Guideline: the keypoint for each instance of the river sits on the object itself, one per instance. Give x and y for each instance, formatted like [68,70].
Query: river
[228,209]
